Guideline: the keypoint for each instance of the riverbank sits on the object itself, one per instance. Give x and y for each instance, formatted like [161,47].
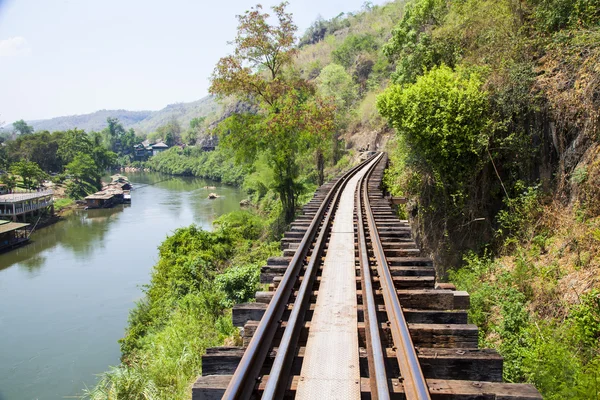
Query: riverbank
[186,308]
[192,161]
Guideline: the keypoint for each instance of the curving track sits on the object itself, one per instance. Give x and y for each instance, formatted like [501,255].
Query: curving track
[353,311]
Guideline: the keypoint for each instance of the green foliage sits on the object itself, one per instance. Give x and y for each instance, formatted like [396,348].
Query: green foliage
[30,172]
[85,174]
[580,175]
[9,180]
[123,383]
[520,211]
[335,82]
[239,284]
[197,122]
[560,356]
[199,275]
[412,45]
[170,133]
[352,46]
[192,161]
[586,319]
[112,134]
[22,127]
[291,121]
[60,204]
[442,116]
[40,148]
[554,15]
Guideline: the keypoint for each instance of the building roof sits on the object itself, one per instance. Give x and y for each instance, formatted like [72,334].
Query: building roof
[23,196]
[160,146]
[100,196]
[7,226]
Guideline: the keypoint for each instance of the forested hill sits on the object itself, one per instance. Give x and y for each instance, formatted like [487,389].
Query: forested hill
[90,122]
[142,121]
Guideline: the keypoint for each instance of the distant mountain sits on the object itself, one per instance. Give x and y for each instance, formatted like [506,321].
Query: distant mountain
[183,112]
[90,122]
[141,121]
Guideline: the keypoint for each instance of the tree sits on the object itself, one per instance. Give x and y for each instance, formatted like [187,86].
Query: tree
[85,174]
[170,133]
[258,72]
[196,123]
[22,127]
[30,172]
[9,180]
[442,117]
[83,169]
[335,82]
[73,142]
[3,157]
[113,134]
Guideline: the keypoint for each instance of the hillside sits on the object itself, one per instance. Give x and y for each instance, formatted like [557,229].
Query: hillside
[183,112]
[89,122]
[141,121]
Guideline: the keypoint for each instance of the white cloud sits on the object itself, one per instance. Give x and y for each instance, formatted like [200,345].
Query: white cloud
[16,46]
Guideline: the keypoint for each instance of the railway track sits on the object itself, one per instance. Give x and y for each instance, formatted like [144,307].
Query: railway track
[354,311]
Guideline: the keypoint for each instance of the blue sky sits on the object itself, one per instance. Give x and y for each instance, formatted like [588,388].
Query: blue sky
[65,57]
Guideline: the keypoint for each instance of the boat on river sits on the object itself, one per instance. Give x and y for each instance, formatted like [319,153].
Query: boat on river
[12,234]
[118,191]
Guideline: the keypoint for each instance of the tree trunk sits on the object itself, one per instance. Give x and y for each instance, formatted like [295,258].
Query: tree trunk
[320,168]
[288,202]
[337,151]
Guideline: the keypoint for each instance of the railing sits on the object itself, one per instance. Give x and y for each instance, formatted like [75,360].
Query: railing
[26,208]
[24,196]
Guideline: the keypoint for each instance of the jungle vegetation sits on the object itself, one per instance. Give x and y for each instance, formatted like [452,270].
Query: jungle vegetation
[491,111]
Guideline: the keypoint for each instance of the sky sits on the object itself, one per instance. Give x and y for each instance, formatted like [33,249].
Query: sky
[67,57]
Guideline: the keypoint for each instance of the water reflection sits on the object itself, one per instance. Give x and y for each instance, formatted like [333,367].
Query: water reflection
[65,297]
[82,232]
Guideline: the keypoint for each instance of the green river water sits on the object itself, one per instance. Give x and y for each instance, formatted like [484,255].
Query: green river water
[64,298]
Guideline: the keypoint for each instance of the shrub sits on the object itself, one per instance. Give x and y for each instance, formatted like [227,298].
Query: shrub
[443,118]
[412,45]
[239,283]
[352,46]
[516,219]
[554,15]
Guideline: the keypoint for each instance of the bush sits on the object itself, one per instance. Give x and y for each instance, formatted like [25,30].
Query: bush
[443,117]
[239,283]
[560,356]
[198,277]
[412,45]
[353,45]
[554,15]
[516,219]
[192,161]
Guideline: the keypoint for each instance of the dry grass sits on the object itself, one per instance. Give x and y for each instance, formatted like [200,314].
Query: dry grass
[563,262]
[569,77]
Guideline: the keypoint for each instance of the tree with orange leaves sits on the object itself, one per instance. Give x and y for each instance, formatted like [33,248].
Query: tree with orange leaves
[291,119]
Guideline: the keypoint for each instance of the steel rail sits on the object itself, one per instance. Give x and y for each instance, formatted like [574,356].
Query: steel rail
[415,386]
[377,374]
[247,373]
[277,382]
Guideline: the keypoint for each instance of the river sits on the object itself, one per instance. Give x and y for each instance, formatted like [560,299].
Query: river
[64,298]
